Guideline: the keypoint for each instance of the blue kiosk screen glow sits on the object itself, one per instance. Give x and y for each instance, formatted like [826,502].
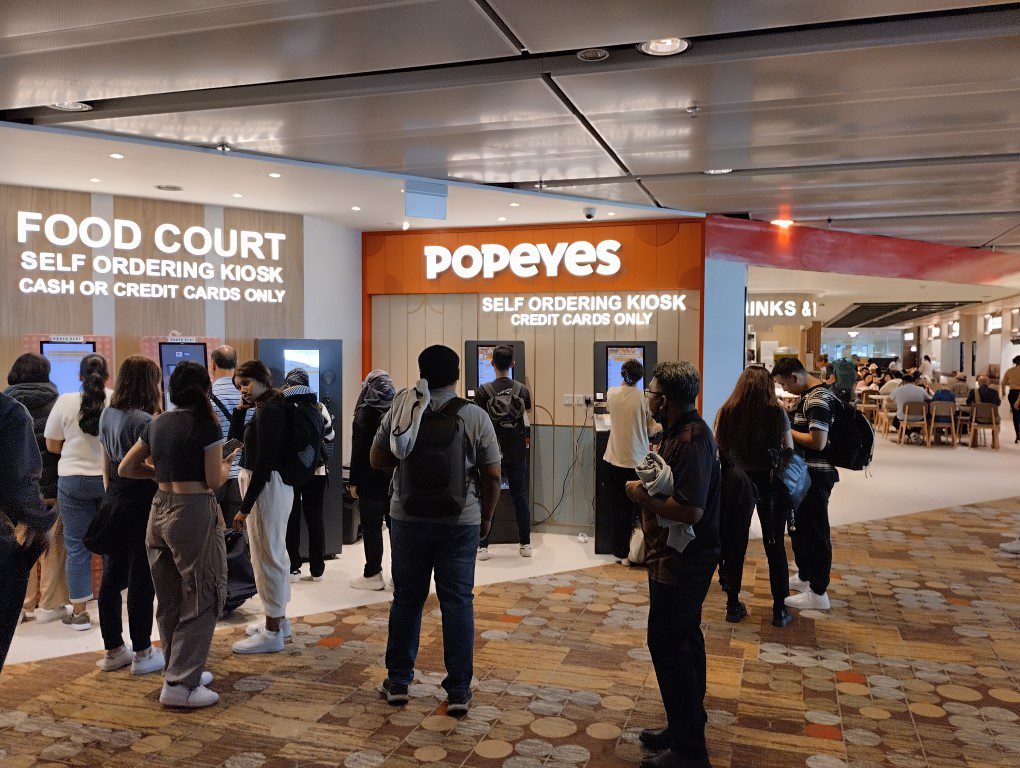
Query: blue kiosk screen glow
[486,373]
[615,358]
[65,360]
[170,355]
[308,359]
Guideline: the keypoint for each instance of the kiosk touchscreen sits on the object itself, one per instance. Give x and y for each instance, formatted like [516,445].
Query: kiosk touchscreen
[478,368]
[308,359]
[171,354]
[609,359]
[65,359]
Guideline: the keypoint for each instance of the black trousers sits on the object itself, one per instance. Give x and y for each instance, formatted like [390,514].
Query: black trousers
[625,512]
[1012,397]
[229,499]
[373,512]
[677,646]
[734,526]
[15,564]
[812,546]
[308,504]
[129,569]
[518,478]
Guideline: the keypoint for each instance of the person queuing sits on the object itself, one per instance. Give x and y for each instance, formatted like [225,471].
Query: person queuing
[507,401]
[136,399]
[753,433]
[29,383]
[266,502]
[72,431]
[184,536]
[1009,387]
[371,487]
[25,520]
[446,484]
[843,371]
[679,581]
[626,449]
[308,497]
[812,546]
[226,397]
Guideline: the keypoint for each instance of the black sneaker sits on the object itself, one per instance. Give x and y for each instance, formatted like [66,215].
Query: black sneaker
[736,612]
[781,618]
[394,693]
[655,739]
[457,704]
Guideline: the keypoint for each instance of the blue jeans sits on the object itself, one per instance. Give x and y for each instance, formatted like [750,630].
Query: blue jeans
[79,498]
[419,547]
[517,474]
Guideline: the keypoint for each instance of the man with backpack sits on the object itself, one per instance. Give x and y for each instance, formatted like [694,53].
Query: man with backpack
[506,401]
[810,420]
[843,377]
[446,484]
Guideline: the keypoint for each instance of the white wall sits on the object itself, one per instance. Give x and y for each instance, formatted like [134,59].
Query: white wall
[723,345]
[333,301]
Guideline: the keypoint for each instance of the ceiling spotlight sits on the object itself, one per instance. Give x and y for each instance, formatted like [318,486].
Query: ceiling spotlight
[853,334]
[540,185]
[223,147]
[275,175]
[71,106]
[515,205]
[782,223]
[590,55]
[117,156]
[237,194]
[716,171]
[693,110]
[501,218]
[169,188]
[666,46]
[611,213]
[405,226]
[355,208]
[95,181]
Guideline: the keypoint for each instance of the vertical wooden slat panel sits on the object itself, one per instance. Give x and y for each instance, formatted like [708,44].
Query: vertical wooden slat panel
[398,341]
[382,344]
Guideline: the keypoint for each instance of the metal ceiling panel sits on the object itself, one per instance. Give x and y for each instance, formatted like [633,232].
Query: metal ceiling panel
[837,106]
[58,51]
[621,192]
[493,133]
[565,24]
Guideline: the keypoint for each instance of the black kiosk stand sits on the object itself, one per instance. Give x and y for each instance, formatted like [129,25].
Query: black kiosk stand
[477,371]
[322,359]
[609,358]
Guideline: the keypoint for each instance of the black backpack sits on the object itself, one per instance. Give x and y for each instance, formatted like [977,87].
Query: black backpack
[434,477]
[851,438]
[306,431]
[506,408]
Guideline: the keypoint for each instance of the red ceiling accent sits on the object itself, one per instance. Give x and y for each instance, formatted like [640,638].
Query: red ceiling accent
[760,244]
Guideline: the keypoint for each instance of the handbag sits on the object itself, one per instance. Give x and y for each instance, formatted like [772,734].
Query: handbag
[794,480]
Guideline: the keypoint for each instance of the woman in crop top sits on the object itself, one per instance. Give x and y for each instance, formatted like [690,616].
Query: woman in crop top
[184,537]
[266,502]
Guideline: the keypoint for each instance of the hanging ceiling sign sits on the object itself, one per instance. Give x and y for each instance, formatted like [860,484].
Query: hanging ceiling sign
[580,259]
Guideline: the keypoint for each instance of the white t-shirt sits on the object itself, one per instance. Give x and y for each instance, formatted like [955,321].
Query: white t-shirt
[82,454]
[631,423]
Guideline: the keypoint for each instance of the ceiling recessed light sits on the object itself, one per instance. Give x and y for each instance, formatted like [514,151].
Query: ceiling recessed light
[71,106]
[117,156]
[501,218]
[355,208]
[716,171]
[611,213]
[237,194]
[665,46]
[405,226]
[95,181]
[782,223]
[169,188]
[515,205]
[275,175]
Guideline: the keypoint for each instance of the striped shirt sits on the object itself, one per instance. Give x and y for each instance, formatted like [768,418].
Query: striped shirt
[814,411]
[224,389]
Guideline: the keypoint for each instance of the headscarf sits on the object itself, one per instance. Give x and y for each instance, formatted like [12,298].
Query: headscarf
[376,391]
[298,377]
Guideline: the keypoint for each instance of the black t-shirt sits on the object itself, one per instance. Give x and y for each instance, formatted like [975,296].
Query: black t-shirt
[511,443]
[178,446]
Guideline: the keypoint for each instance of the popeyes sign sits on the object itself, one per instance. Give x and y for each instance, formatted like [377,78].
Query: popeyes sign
[579,258]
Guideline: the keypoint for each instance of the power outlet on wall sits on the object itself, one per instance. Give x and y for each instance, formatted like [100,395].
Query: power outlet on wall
[568,399]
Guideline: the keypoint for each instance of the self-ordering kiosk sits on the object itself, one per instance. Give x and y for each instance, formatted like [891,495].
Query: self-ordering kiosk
[172,354]
[323,361]
[478,370]
[609,359]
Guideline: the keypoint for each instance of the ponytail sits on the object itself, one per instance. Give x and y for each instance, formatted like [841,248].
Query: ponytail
[94,373]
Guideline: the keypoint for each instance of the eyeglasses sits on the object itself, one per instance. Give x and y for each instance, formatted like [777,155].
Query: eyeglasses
[650,392]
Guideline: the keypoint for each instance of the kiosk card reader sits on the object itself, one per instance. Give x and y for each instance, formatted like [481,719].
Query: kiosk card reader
[478,370]
[322,359]
[609,359]
[171,353]
[65,362]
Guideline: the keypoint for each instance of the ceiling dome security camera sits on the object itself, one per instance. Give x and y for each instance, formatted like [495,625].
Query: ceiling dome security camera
[589,213]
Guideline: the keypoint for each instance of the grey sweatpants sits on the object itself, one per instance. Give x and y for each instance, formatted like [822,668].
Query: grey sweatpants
[188,560]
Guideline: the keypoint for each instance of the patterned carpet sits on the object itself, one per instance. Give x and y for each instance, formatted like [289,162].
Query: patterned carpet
[916,665]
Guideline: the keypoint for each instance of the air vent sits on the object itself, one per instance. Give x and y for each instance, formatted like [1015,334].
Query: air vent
[590,55]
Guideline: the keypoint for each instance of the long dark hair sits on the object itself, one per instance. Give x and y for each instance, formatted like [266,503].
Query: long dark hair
[93,372]
[29,368]
[751,421]
[189,388]
[137,386]
[256,370]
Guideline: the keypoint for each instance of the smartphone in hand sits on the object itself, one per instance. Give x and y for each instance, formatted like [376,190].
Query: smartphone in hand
[230,446]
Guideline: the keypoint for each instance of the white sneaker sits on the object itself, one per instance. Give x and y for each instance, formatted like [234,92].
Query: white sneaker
[154,662]
[525,550]
[186,698]
[808,600]
[253,629]
[262,641]
[119,660]
[1011,547]
[797,583]
[295,577]
[46,615]
[316,579]
[372,583]
[25,616]
[483,553]
[206,678]
[625,562]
